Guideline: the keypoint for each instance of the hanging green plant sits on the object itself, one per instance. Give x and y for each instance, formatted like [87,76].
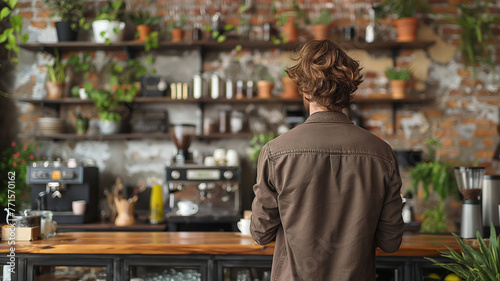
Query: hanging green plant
[12,36]
[477,38]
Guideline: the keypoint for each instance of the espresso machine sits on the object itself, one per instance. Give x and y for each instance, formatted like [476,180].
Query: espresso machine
[470,182]
[203,198]
[55,185]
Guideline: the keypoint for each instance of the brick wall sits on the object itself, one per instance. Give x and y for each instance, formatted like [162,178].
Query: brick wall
[464,115]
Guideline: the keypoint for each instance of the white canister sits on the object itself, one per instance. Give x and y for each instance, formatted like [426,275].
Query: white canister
[229,89]
[214,86]
[197,86]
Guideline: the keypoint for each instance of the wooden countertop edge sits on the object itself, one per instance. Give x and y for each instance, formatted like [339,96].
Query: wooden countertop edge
[196,243]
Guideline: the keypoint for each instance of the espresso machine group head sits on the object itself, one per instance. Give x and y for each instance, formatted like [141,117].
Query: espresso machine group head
[54,188]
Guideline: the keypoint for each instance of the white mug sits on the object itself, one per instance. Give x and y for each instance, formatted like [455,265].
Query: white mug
[187,208]
[79,207]
[244,226]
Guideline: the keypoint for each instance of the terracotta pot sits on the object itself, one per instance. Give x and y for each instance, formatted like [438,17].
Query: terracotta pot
[265,89]
[143,31]
[407,29]
[398,89]
[54,90]
[290,30]
[291,90]
[320,31]
[177,34]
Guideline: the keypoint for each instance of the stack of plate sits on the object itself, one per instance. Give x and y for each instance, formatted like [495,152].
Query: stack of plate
[50,125]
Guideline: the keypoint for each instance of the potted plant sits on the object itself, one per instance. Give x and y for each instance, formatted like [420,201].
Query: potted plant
[321,25]
[175,28]
[476,38]
[121,85]
[81,123]
[265,84]
[286,17]
[109,24]
[56,76]
[143,21]
[291,90]
[473,263]
[69,13]
[434,178]
[405,11]
[398,78]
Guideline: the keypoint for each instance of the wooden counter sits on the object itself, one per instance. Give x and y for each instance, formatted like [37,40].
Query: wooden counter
[195,243]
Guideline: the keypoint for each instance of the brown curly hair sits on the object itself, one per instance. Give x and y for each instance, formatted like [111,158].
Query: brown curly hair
[327,73]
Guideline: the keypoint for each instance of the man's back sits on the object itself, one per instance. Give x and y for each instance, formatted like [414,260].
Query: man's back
[328,194]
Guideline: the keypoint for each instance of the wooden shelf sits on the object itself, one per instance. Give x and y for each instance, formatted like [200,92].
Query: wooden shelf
[145,100]
[130,136]
[213,45]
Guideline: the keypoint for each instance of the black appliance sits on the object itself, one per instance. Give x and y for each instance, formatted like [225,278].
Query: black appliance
[57,187]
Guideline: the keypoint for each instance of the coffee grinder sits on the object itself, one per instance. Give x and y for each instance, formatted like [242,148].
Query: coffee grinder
[182,135]
[470,182]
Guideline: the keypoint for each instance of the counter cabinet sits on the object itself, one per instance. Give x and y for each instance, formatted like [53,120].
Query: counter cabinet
[204,256]
[39,267]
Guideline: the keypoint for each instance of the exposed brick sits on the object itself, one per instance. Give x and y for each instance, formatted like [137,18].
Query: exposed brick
[452,103]
[485,132]
[484,154]
[451,153]
[447,133]
[26,15]
[464,72]
[465,143]
[487,143]
[444,9]
[43,14]
[22,5]
[458,93]
[447,123]
[39,24]
[433,113]
[448,142]
[449,31]
[468,121]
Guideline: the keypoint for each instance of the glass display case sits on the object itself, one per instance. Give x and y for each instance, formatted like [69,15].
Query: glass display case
[70,269]
[390,269]
[425,270]
[244,268]
[172,268]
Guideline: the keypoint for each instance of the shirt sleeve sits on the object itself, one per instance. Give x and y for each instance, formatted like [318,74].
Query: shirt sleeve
[265,219]
[390,226]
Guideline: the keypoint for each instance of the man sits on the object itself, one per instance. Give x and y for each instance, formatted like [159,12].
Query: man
[327,191]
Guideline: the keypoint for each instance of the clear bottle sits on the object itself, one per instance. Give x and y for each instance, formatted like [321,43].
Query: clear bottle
[156,210]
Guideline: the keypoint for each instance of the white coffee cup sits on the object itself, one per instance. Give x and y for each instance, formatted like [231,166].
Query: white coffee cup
[244,226]
[187,208]
[79,207]
[209,161]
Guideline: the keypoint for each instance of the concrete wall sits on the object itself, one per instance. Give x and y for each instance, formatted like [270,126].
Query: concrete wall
[464,115]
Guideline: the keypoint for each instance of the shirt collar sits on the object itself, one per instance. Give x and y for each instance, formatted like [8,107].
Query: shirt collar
[328,116]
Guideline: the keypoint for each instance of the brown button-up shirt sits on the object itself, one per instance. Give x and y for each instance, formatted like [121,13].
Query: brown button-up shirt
[328,193]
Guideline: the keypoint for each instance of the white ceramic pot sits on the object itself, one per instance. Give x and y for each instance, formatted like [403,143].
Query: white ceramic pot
[109,127]
[113,30]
